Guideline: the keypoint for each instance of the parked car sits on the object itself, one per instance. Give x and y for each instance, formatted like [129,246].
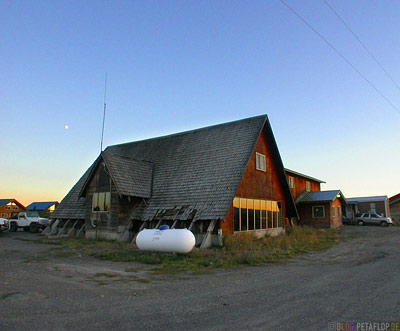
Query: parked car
[29,221]
[372,218]
[3,224]
[346,220]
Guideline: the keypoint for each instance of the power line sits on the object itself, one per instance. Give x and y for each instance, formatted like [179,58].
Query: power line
[361,43]
[341,55]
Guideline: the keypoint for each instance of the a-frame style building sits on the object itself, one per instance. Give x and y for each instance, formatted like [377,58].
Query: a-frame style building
[215,180]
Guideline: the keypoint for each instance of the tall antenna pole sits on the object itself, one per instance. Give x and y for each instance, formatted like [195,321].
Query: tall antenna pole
[104,113]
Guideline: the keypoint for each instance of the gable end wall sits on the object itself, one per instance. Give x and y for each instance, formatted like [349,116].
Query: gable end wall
[256,184]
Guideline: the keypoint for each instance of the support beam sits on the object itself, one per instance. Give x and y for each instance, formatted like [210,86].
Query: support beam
[125,234]
[72,229]
[140,229]
[191,225]
[62,229]
[175,220]
[206,243]
[174,224]
[80,230]
[158,224]
[47,230]
[54,228]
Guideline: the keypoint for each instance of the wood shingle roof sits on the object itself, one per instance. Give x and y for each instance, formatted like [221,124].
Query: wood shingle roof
[197,171]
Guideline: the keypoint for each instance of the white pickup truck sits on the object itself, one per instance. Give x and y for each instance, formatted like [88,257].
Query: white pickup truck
[29,221]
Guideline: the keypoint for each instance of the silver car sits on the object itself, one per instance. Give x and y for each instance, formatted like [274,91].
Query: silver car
[372,218]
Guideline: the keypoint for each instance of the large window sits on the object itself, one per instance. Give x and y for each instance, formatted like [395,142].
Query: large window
[101,201]
[333,211]
[260,162]
[308,186]
[256,214]
[318,212]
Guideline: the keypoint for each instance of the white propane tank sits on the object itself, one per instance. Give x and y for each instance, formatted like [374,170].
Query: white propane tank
[166,240]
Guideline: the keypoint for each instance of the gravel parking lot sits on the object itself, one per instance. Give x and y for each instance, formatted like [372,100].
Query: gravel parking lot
[42,287]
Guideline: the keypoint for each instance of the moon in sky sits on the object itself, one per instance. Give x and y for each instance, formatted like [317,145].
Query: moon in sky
[66,127]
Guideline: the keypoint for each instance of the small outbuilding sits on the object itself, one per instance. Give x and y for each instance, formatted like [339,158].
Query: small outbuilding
[374,204]
[321,209]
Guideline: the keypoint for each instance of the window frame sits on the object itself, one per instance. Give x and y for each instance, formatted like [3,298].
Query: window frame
[291,182]
[276,213]
[105,199]
[261,157]
[323,211]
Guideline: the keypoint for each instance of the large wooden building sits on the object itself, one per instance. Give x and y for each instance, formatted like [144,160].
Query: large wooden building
[10,207]
[216,180]
[321,209]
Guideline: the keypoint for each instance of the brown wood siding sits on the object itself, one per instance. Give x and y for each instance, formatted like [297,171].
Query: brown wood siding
[306,216]
[7,213]
[395,210]
[256,184]
[336,221]
[364,207]
[300,185]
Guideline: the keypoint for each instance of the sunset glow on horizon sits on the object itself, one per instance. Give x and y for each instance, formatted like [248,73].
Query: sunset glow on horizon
[173,67]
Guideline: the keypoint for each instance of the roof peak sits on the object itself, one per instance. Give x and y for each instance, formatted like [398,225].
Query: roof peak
[194,130]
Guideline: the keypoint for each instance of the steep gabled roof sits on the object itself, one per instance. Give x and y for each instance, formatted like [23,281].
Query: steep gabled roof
[41,205]
[5,201]
[322,196]
[72,206]
[131,177]
[198,171]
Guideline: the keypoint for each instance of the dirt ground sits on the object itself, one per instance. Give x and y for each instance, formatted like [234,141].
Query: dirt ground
[44,287]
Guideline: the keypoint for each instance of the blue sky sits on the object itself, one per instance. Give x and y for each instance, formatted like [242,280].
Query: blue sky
[179,65]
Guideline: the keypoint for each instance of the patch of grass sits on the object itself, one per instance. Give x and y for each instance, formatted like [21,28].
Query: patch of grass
[41,241]
[13,251]
[355,235]
[63,255]
[142,280]
[103,274]
[8,295]
[47,242]
[36,259]
[133,269]
[239,249]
